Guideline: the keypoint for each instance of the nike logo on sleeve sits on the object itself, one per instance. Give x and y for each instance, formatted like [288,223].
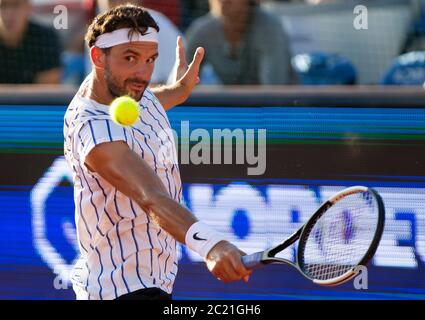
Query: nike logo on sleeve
[195,236]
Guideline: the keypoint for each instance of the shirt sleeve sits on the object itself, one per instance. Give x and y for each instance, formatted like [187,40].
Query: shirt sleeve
[95,132]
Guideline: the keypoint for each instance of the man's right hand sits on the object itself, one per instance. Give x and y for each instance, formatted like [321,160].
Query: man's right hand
[224,262]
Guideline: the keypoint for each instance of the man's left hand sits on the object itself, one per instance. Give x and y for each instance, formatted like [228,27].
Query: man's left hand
[187,76]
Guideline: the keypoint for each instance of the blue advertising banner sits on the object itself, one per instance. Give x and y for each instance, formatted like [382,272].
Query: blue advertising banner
[311,153]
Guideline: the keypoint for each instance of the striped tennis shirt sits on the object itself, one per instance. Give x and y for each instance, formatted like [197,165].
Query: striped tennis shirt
[121,248]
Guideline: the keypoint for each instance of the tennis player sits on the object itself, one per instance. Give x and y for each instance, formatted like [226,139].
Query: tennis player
[127,189]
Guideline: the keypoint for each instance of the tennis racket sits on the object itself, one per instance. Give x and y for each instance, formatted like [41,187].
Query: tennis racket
[342,234]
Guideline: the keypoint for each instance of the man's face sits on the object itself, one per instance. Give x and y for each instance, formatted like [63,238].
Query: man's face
[14,15]
[228,9]
[128,68]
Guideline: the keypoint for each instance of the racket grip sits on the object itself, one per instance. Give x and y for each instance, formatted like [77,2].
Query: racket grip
[253,261]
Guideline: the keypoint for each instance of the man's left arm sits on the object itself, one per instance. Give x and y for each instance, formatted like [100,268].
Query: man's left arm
[187,77]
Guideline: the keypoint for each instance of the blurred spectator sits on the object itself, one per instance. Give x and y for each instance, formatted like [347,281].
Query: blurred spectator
[74,52]
[244,44]
[172,9]
[168,34]
[74,60]
[324,69]
[416,38]
[314,2]
[408,69]
[193,9]
[322,1]
[29,52]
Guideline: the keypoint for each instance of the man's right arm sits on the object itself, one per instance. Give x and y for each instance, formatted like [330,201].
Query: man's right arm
[131,175]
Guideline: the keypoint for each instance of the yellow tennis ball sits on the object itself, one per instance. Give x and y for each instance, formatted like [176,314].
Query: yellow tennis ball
[124,110]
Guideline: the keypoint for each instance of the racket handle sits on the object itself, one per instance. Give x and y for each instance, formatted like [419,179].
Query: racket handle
[253,261]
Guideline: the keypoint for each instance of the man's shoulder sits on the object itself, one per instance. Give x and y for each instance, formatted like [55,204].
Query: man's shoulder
[150,96]
[269,23]
[77,108]
[266,19]
[81,111]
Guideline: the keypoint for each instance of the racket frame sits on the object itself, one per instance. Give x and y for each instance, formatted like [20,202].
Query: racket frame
[265,257]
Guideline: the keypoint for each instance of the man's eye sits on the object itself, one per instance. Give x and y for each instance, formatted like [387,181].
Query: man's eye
[151,60]
[130,58]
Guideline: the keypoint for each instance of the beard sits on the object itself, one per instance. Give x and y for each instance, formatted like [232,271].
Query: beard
[116,89]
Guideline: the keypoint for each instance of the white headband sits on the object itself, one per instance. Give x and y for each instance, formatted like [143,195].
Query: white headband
[121,36]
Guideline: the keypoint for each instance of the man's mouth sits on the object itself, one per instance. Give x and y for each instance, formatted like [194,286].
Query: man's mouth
[137,86]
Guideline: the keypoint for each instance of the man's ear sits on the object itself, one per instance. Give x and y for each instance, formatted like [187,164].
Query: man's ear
[97,57]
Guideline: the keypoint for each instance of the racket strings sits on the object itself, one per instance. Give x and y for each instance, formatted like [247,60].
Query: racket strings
[340,237]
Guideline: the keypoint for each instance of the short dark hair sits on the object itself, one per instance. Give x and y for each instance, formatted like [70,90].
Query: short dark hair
[130,16]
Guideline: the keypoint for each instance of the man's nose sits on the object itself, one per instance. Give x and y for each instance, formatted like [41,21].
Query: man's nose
[143,72]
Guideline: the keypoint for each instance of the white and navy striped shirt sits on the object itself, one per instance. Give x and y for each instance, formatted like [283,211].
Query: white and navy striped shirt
[122,249]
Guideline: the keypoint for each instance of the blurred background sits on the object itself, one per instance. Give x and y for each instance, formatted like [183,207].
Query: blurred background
[309,42]
[337,84]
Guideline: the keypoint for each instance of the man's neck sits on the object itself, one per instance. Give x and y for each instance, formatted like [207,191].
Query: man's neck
[234,29]
[97,92]
[11,40]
